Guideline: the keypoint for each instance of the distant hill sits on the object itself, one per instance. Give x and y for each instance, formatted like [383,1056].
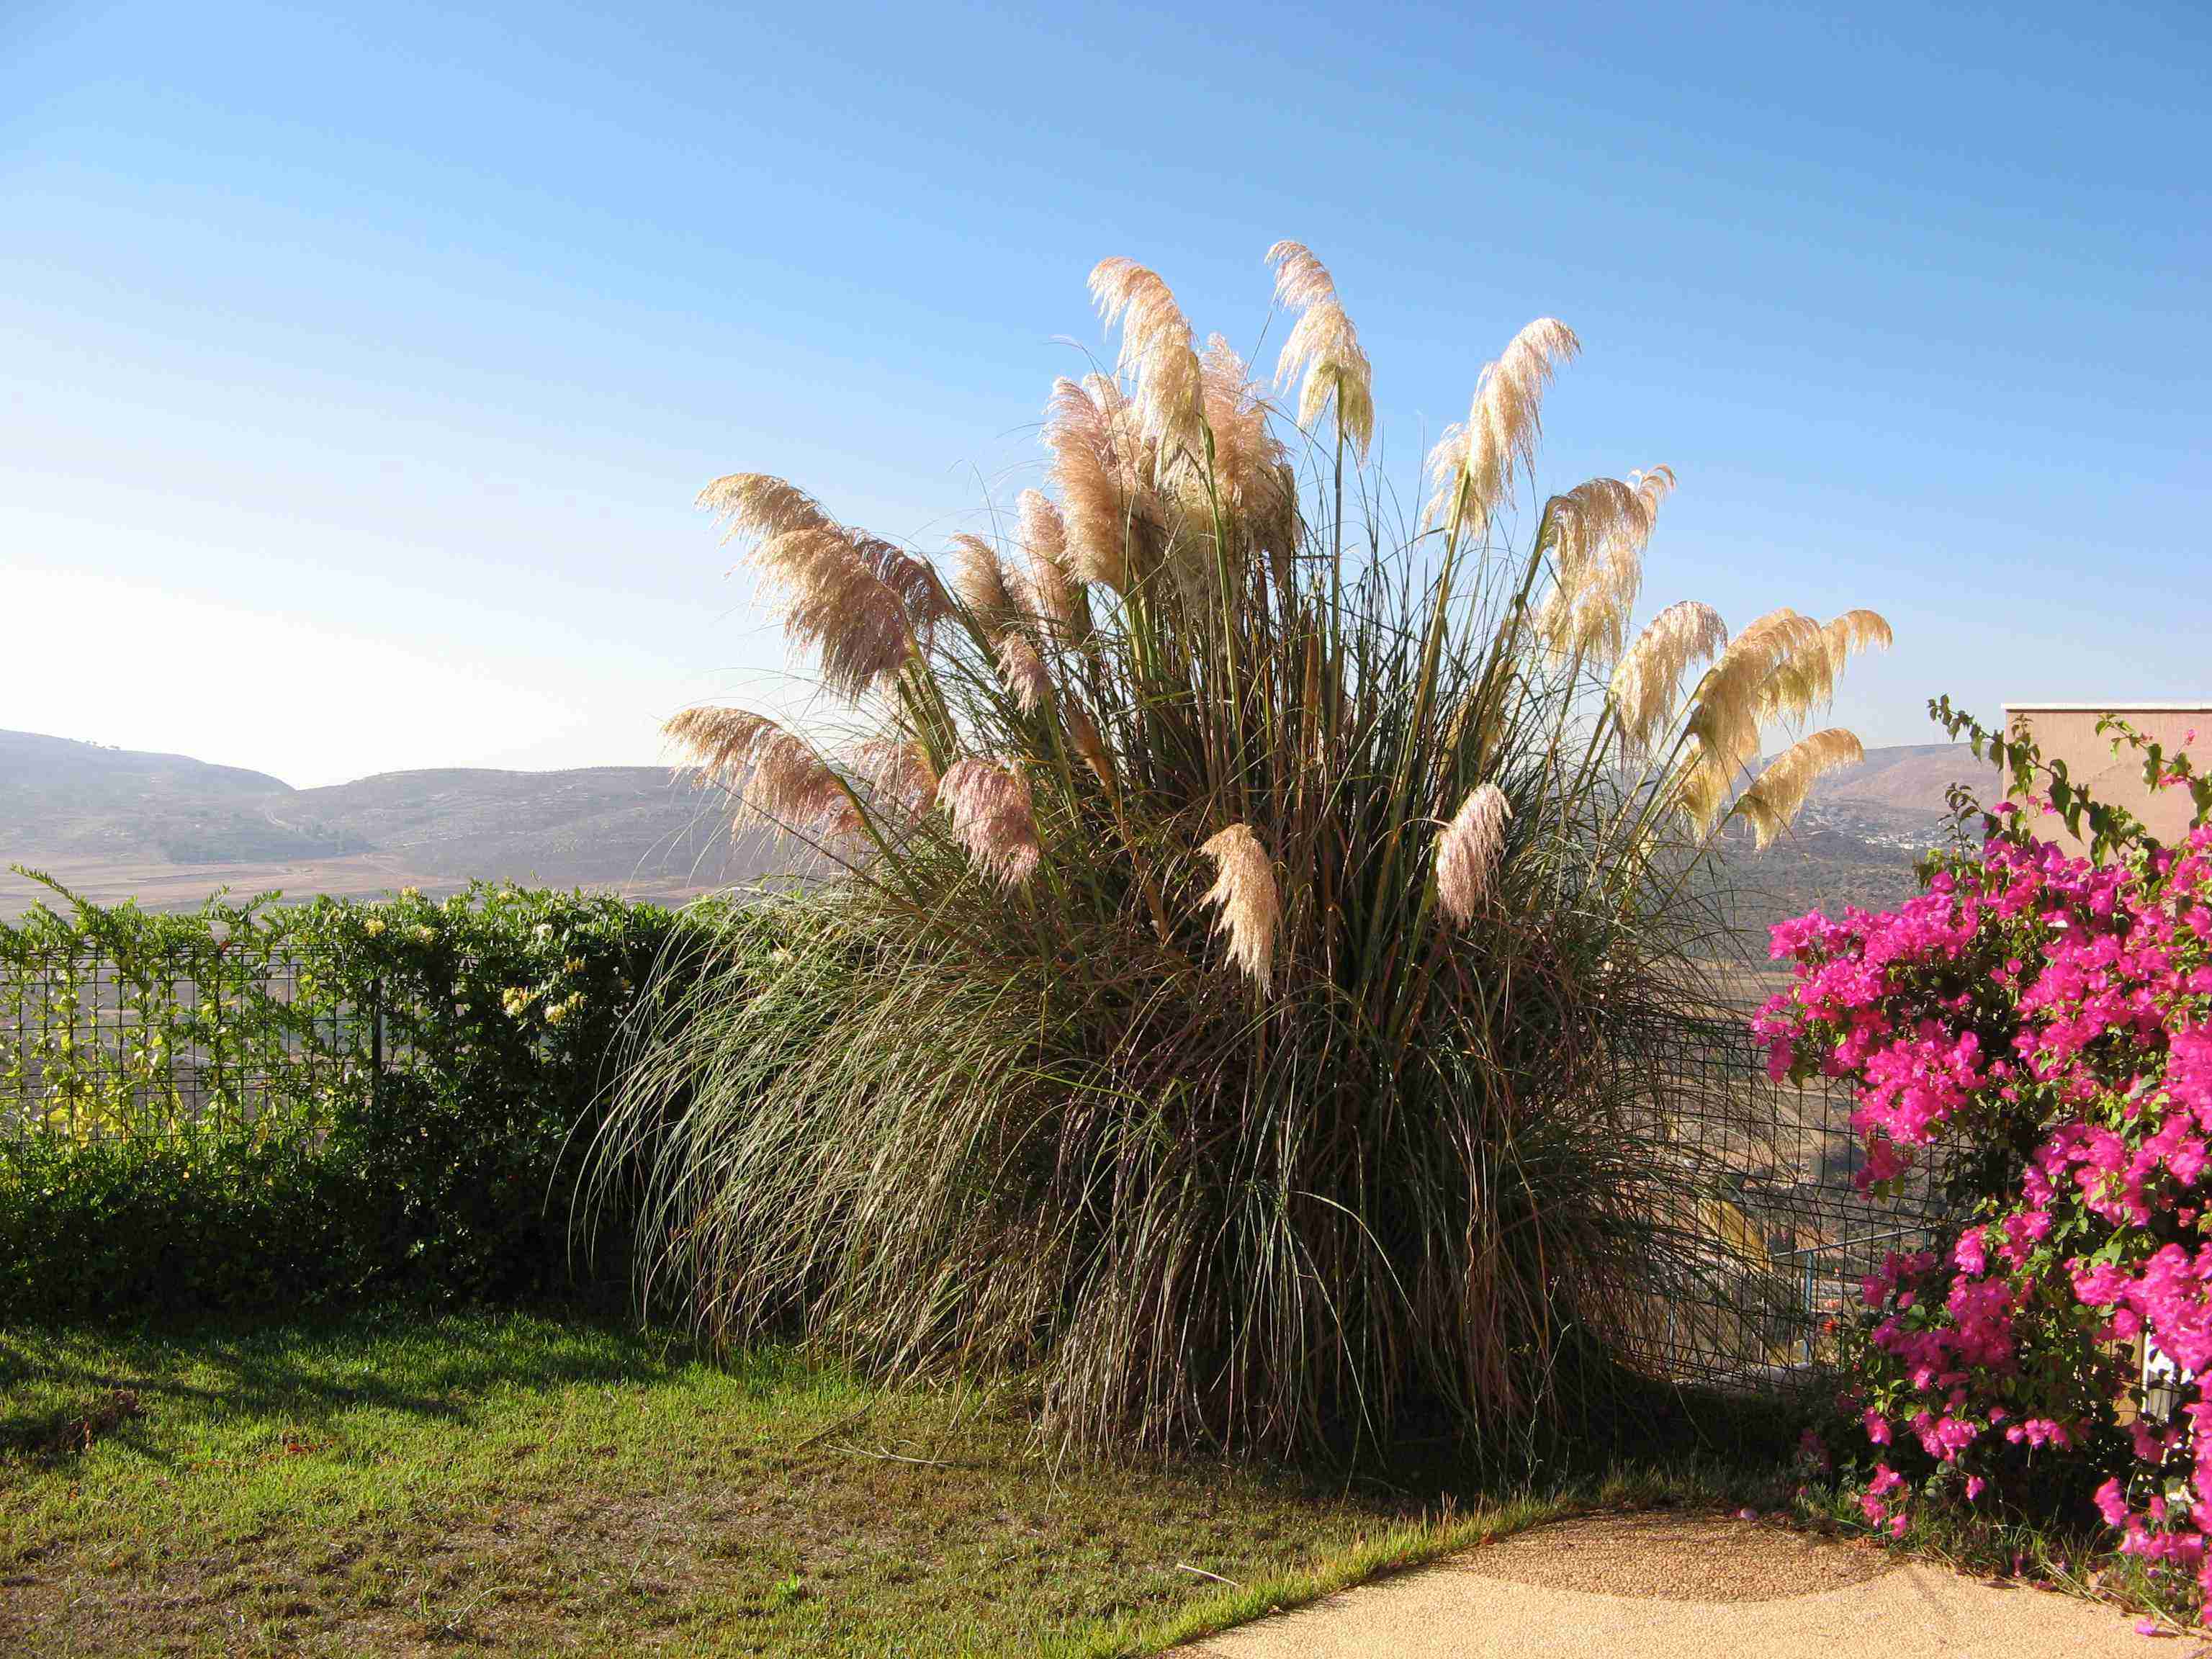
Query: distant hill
[168,830]
[1911,778]
[71,802]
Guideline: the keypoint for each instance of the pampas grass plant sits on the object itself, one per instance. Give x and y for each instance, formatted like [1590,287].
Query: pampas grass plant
[1236,1008]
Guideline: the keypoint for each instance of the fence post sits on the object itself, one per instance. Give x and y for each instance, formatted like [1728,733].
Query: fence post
[376,1042]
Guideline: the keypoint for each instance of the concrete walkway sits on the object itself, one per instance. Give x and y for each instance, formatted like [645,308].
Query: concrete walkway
[1640,1587]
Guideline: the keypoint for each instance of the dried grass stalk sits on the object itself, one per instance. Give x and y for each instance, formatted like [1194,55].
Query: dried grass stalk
[1083,732]
[992,817]
[1730,704]
[862,606]
[1469,851]
[1805,677]
[760,504]
[1772,802]
[1247,457]
[981,582]
[1244,891]
[1325,344]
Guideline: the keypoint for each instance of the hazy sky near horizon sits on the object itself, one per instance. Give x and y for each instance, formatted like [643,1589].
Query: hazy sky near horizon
[362,362]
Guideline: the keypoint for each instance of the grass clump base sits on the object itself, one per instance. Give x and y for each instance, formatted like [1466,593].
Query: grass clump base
[1259,909]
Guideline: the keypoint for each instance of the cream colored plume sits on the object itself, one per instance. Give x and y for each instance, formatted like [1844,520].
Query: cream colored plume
[775,776]
[1100,468]
[844,594]
[913,579]
[992,817]
[1729,705]
[1247,457]
[1597,532]
[1022,670]
[1323,343]
[1648,677]
[852,619]
[758,504]
[1244,892]
[1805,678]
[1772,802]
[1057,599]
[1157,351]
[898,772]
[981,582]
[1469,849]
[1503,425]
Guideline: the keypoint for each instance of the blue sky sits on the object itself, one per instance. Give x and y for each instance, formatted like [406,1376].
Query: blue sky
[360,364]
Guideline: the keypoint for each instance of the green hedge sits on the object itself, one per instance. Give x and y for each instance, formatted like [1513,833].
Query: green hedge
[208,1111]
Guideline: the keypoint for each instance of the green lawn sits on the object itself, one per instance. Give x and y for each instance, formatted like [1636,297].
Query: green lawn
[393,1484]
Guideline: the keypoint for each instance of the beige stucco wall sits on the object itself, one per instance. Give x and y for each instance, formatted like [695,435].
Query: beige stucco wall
[2068,731]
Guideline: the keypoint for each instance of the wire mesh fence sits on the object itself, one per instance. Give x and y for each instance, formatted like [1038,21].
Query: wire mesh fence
[93,1048]
[172,1042]
[1784,1235]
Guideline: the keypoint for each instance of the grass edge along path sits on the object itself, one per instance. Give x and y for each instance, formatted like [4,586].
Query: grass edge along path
[397,1483]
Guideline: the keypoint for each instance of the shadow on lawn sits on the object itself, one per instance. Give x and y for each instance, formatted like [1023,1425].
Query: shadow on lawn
[389,1358]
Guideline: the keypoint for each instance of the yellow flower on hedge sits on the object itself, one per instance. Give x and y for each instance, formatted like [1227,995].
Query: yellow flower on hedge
[372,926]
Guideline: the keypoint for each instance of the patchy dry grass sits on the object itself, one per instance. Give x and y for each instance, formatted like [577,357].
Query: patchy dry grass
[392,1484]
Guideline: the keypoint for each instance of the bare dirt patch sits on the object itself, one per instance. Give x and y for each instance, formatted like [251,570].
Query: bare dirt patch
[1677,1558]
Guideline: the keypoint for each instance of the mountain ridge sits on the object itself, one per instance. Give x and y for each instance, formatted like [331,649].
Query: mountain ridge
[168,828]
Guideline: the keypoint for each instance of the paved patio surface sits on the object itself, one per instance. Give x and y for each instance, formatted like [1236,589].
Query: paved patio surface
[1666,1587]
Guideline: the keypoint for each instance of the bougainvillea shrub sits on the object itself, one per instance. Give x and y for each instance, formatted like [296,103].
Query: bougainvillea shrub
[2046,1021]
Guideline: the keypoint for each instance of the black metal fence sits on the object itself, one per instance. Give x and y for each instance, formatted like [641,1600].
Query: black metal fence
[92,1049]
[1779,1236]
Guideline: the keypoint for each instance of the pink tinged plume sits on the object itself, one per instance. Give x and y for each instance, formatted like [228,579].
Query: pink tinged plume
[990,805]
[1469,850]
[1244,892]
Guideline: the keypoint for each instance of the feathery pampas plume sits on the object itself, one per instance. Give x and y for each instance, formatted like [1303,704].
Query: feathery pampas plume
[1244,891]
[1805,678]
[990,805]
[1469,851]
[1597,532]
[1729,706]
[1248,457]
[1326,345]
[1650,674]
[1772,802]
[897,773]
[1503,425]
[981,582]
[845,595]
[1156,351]
[1097,464]
[774,773]
[1022,670]
[1057,599]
